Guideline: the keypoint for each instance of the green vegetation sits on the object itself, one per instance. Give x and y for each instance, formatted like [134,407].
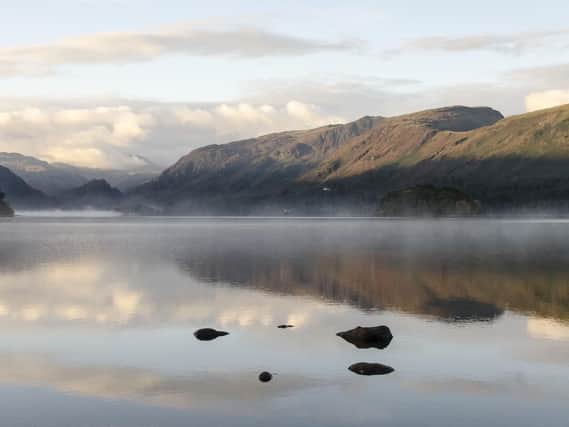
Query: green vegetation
[427,200]
[515,163]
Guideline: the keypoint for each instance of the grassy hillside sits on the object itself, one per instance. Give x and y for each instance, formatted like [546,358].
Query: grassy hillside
[507,163]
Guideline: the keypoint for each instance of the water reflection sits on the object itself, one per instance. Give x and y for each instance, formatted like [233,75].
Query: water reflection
[145,385]
[107,309]
[457,272]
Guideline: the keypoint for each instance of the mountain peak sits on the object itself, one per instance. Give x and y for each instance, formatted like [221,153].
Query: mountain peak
[457,118]
[20,194]
[96,186]
[97,193]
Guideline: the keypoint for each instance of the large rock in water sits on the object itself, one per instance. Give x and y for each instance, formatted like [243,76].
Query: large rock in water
[209,334]
[427,200]
[364,368]
[5,209]
[375,337]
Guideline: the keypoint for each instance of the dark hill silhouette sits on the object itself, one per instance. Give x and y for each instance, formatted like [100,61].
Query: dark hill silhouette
[97,193]
[20,194]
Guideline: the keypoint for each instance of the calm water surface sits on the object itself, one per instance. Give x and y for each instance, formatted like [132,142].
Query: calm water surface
[97,317]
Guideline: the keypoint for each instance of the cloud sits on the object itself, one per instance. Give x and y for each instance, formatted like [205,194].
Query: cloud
[94,293]
[107,132]
[108,135]
[547,99]
[147,386]
[542,77]
[352,98]
[516,43]
[128,47]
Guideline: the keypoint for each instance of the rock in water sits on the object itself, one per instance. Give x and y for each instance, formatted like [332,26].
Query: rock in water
[208,334]
[376,337]
[364,368]
[265,377]
[285,326]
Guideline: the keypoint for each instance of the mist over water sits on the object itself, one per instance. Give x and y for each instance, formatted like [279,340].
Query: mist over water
[60,213]
[97,317]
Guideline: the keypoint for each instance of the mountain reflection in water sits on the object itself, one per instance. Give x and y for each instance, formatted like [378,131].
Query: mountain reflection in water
[98,316]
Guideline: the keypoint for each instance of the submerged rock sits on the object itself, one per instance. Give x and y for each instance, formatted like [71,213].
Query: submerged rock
[375,337]
[208,334]
[285,326]
[265,377]
[364,368]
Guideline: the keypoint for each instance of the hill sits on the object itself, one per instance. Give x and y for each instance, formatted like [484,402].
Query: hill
[20,194]
[41,175]
[96,194]
[122,179]
[306,169]
[55,178]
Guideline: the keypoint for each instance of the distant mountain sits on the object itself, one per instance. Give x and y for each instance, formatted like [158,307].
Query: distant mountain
[41,175]
[338,165]
[96,194]
[54,178]
[20,194]
[121,179]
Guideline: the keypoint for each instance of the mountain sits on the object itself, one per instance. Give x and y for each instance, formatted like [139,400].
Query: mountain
[20,194]
[55,178]
[121,179]
[42,175]
[338,165]
[96,194]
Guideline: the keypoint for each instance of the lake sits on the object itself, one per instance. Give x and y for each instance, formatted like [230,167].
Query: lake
[97,319]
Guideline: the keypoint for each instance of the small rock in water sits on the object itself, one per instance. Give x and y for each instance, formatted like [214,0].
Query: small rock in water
[375,337]
[208,334]
[265,377]
[364,368]
[285,326]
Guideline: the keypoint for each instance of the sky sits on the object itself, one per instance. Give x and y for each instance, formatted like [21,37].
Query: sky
[101,82]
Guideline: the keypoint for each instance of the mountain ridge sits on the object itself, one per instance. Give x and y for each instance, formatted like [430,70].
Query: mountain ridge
[55,178]
[20,193]
[280,167]
[97,194]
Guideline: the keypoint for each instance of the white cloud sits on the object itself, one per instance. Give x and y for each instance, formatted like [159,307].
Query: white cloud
[107,135]
[516,43]
[546,99]
[136,46]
